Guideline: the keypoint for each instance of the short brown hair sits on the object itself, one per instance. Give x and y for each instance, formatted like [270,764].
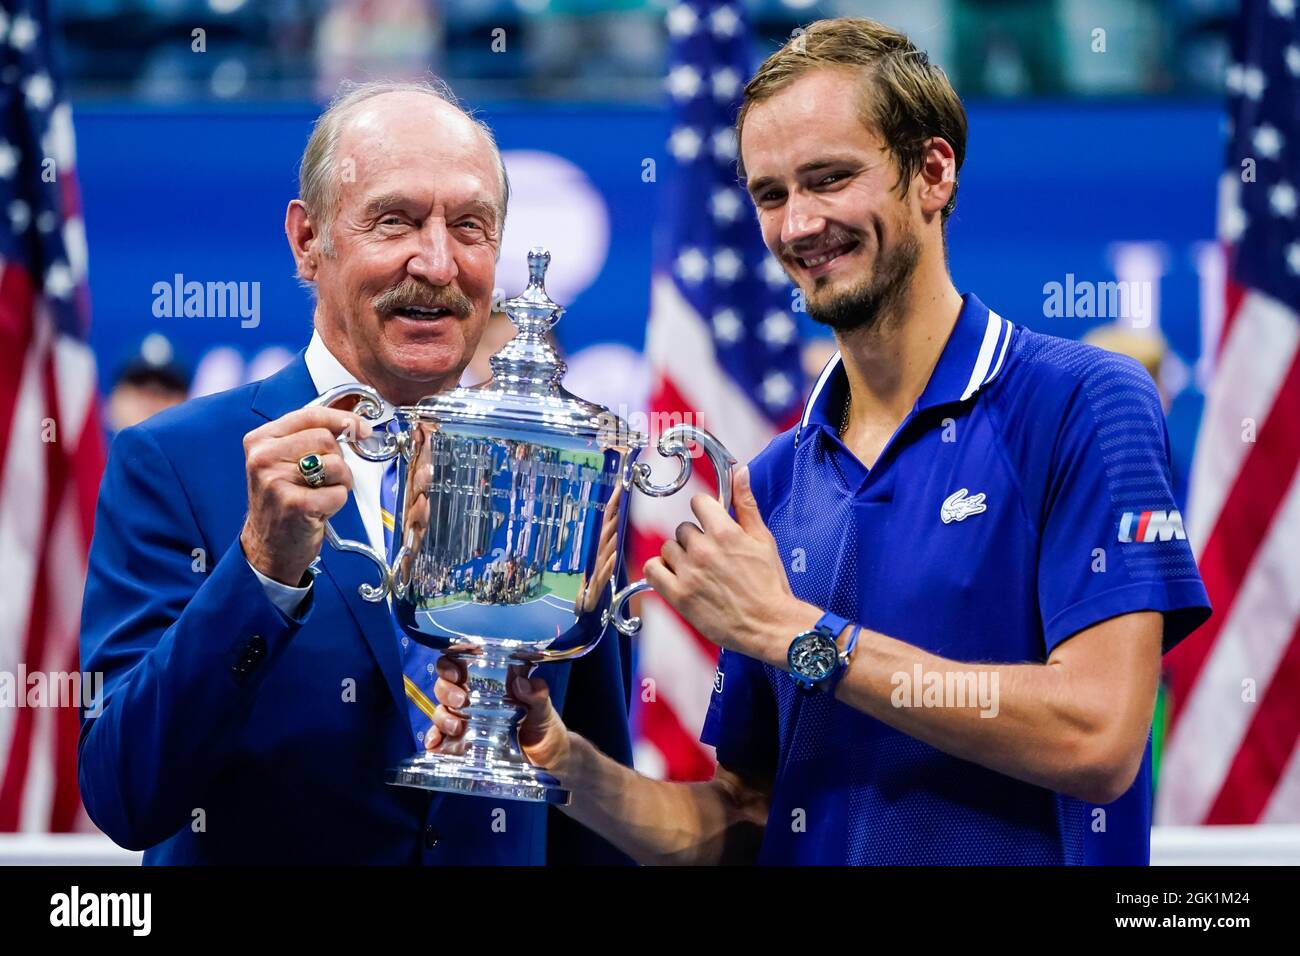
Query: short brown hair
[913,98]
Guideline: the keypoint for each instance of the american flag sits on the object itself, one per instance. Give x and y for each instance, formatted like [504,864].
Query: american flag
[1231,755]
[723,347]
[51,447]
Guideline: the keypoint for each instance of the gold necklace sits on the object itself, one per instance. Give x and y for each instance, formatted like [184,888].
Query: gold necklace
[844,419]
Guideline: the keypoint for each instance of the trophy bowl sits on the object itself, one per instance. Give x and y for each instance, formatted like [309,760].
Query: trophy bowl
[512,511]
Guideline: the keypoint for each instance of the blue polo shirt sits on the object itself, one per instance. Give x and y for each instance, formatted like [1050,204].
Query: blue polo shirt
[1025,498]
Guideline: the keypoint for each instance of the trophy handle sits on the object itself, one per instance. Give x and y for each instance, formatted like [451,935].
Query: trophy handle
[370,407]
[672,443]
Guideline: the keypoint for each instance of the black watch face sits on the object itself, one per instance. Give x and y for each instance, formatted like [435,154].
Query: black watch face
[814,657]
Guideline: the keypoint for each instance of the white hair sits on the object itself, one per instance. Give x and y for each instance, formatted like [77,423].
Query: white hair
[317,182]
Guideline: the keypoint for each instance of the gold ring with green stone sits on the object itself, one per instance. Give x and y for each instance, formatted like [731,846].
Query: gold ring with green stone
[312,469]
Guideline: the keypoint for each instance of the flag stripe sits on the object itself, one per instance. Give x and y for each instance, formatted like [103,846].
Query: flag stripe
[1256,495]
[1269,742]
[1254,362]
[51,447]
[682,756]
[1249,645]
[1286,797]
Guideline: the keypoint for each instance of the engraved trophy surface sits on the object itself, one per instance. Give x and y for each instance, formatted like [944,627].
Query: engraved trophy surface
[512,512]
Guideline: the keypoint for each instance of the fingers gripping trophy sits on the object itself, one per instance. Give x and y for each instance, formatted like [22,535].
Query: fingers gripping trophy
[512,511]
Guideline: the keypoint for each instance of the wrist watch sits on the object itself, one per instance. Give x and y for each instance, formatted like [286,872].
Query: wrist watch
[816,661]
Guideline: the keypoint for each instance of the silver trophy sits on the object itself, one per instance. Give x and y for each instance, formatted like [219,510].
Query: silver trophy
[512,510]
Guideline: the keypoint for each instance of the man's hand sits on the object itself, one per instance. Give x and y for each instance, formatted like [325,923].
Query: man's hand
[286,518]
[542,734]
[726,578]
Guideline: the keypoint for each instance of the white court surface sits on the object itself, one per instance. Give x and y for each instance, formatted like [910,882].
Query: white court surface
[1170,846]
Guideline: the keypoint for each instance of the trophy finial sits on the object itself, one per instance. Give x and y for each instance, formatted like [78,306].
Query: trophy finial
[528,363]
[538,260]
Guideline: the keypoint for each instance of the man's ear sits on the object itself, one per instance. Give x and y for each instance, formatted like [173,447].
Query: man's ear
[938,174]
[300,230]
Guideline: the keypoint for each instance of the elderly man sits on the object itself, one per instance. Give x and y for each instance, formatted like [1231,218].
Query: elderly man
[253,705]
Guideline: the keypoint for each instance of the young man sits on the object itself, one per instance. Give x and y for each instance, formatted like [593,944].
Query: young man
[984,510]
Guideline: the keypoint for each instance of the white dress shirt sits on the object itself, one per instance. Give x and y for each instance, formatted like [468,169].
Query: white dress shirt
[328,372]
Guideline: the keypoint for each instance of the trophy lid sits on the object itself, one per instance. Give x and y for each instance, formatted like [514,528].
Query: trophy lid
[524,392]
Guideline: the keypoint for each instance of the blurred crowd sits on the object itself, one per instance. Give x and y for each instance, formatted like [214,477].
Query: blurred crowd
[612,49]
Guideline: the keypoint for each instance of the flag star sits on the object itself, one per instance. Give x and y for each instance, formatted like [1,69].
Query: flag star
[20,215]
[773,274]
[682,20]
[777,389]
[46,221]
[725,82]
[727,266]
[692,265]
[1233,78]
[724,143]
[8,160]
[777,328]
[39,91]
[727,326]
[1232,222]
[725,205]
[1268,141]
[1283,8]
[1282,200]
[58,281]
[683,81]
[1293,59]
[724,22]
[1293,258]
[22,32]
[1252,82]
[684,144]
[74,246]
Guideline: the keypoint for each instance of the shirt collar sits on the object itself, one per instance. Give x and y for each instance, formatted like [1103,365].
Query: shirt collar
[328,372]
[971,359]
[325,370]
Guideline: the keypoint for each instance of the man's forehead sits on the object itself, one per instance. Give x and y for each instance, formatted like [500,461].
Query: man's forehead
[389,145]
[436,130]
[786,138]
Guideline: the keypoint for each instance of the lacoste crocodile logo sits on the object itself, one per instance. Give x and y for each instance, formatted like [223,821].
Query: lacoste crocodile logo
[957,507]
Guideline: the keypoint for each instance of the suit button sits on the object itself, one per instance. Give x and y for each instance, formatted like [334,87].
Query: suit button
[431,837]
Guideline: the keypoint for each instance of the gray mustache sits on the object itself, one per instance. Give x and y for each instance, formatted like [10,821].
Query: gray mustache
[418,295]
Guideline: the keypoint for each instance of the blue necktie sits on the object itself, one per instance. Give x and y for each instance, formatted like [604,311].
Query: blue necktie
[418,661]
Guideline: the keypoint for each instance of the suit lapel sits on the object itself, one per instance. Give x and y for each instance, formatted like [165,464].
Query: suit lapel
[292,388]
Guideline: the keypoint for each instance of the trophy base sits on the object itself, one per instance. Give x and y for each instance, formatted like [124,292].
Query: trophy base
[506,780]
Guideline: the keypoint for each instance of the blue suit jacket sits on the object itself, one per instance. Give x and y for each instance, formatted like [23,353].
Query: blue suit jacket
[199,758]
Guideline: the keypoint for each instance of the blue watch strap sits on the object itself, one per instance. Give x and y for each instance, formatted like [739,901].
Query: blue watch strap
[833,681]
[831,623]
